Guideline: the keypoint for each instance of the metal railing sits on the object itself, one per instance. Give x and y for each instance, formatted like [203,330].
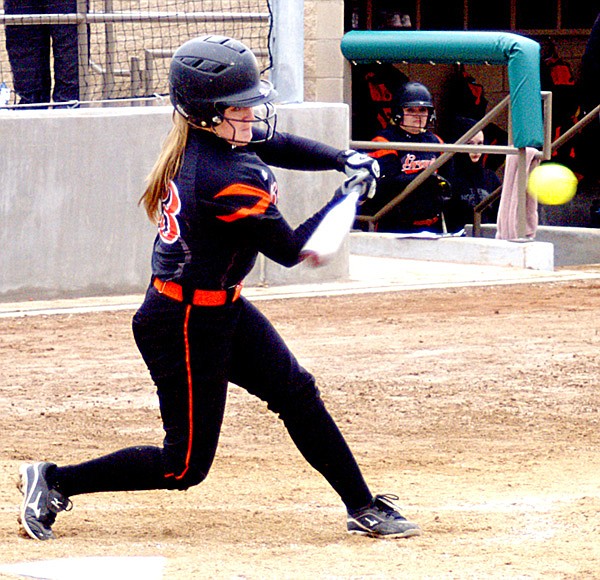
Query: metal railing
[448,150]
[478,210]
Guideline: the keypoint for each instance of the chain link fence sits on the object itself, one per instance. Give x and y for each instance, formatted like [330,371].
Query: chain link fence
[73,53]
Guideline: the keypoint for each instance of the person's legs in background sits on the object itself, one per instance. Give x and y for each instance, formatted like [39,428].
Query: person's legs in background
[65,53]
[28,48]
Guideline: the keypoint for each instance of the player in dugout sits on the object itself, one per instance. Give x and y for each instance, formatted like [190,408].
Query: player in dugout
[412,117]
[213,197]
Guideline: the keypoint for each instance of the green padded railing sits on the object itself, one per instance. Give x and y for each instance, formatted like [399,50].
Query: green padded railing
[521,56]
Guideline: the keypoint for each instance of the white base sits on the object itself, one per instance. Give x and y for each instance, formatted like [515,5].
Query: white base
[92,568]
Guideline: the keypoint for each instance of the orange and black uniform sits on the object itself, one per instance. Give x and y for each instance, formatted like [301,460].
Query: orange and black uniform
[421,209]
[196,332]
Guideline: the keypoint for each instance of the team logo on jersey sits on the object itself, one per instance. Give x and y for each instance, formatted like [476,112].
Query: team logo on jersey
[168,226]
[411,164]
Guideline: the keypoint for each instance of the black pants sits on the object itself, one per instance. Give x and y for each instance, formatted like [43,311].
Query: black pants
[192,353]
[29,46]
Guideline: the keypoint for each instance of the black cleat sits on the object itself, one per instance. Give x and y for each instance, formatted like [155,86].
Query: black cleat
[40,503]
[381,519]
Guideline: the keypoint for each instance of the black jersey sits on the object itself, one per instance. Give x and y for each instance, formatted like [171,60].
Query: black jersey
[471,184]
[398,168]
[418,211]
[220,211]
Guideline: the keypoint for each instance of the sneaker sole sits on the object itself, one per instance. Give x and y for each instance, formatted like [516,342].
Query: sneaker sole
[406,534]
[23,483]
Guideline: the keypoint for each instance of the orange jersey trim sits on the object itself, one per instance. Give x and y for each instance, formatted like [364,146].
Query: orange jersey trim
[241,189]
[382,152]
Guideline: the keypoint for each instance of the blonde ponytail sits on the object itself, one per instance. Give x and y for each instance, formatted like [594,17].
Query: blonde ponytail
[165,168]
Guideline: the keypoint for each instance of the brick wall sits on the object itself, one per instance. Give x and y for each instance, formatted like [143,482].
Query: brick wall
[324,64]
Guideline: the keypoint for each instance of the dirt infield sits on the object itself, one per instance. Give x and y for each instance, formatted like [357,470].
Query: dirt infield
[479,407]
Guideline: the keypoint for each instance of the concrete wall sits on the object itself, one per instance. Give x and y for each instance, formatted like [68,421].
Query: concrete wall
[534,255]
[572,246]
[70,184]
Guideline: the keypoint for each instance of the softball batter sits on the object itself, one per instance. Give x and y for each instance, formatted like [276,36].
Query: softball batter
[214,199]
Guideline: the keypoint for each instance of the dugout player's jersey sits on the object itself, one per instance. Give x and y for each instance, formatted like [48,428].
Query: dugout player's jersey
[392,163]
[418,211]
[218,213]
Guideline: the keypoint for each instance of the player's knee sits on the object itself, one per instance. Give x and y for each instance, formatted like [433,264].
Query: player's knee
[182,471]
[187,478]
[303,399]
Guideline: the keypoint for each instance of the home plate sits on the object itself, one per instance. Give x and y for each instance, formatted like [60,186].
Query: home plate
[92,568]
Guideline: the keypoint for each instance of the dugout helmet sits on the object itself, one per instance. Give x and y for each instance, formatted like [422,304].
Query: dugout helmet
[412,94]
[210,73]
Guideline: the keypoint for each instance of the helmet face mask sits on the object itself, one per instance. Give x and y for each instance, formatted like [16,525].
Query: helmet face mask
[415,119]
[210,73]
[265,122]
[233,127]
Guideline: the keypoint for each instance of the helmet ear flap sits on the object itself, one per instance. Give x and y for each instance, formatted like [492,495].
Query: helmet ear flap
[201,118]
[216,120]
[213,122]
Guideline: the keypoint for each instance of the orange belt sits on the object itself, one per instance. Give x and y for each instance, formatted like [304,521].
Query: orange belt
[429,222]
[198,297]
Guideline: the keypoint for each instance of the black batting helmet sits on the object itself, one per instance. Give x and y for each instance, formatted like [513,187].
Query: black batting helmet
[412,94]
[210,73]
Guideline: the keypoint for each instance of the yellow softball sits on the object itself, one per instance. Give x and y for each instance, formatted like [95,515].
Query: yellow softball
[552,184]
